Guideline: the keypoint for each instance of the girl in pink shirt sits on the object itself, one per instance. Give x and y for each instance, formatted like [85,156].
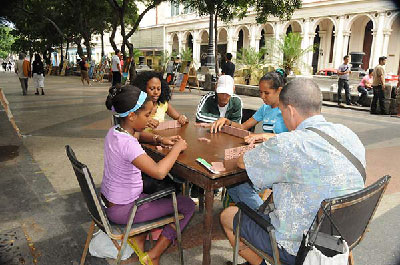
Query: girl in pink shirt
[364,86]
[125,159]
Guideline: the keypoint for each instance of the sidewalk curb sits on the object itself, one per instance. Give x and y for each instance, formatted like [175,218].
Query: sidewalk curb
[334,105]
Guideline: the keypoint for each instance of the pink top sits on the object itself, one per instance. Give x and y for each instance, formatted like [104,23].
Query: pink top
[122,181]
[366,79]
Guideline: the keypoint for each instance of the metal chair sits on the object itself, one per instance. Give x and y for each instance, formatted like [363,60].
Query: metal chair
[351,214]
[115,231]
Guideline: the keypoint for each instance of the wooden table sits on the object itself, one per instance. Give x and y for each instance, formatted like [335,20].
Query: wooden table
[186,167]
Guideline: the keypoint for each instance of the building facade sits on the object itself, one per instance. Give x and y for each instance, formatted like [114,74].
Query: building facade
[336,27]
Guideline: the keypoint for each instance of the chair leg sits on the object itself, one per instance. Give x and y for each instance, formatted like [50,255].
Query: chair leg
[237,241]
[126,235]
[88,238]
[351,259]
[178,228]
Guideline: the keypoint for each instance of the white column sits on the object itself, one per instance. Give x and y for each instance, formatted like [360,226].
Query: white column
[181,41]
[386,37]
[270,37]
[339,43]
[168,43]
[229,36]
[234,46]
[346,37]
[377,47]
[253,33]
[196,48]
[322,49]
[305,43]
[258,43]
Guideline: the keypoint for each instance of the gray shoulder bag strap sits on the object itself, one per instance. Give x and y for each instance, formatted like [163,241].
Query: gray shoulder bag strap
[354,160]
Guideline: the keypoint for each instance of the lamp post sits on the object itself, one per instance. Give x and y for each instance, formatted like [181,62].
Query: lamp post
[210,52]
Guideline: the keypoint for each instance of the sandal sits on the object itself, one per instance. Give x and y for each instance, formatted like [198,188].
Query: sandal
[145,259]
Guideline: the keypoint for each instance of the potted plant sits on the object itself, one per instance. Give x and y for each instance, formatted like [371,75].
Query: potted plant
[291,53]
[252,63]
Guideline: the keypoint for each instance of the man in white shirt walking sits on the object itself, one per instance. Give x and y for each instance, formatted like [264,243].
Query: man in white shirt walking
[116,68]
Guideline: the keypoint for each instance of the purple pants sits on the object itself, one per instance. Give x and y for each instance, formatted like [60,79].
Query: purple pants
[120,213]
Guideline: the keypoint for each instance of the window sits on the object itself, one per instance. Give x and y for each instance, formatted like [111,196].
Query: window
[174,9]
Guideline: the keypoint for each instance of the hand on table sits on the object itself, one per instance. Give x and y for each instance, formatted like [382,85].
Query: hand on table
[182,119]
[171,140]
[218,124]
[152,123]
[180,145]
[257,138]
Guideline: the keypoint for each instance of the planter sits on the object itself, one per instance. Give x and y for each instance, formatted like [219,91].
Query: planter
[356,60]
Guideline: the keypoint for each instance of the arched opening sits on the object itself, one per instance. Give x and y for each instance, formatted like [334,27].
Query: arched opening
[189,42]
[367,44]
[289,30]
[293,27]
[361,38]
[175,44]
[240,41]
[316,43]
[243,39]
[323,42]
[203,47]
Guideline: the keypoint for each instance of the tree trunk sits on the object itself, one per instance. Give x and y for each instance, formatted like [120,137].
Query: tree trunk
[132,66]
[79,48]
[66,51]
[86,40]
[102,44]
[62,56]
[112,36]
[121,22]
[216,42]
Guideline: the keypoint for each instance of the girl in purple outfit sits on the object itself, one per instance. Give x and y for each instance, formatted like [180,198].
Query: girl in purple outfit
[125,159]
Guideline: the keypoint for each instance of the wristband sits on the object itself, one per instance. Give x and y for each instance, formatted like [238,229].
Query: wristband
[157,139]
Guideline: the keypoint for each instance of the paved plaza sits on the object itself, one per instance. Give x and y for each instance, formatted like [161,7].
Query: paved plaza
[42,206]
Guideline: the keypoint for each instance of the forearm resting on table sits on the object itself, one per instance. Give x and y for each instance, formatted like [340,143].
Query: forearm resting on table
[146,137]
[156,170]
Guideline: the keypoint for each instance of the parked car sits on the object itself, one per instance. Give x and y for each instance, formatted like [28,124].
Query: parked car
[327,71]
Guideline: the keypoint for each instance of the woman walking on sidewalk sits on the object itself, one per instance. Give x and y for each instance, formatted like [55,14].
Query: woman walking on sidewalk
[38,74]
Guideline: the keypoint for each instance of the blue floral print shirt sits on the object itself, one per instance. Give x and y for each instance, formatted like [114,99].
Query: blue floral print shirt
[303,169]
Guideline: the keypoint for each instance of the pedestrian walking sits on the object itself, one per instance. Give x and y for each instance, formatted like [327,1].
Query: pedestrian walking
[116,68]
[378,85]
[23,69]
[343,82]
[84,71]
[38,74]
[9,65]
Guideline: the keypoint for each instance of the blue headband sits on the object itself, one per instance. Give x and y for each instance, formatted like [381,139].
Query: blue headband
[139,103]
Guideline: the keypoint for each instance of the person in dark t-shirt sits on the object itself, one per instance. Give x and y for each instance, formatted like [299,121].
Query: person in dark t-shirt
[228,68]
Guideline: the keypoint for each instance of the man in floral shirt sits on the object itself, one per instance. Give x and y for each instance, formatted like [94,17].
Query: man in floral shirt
[302,169]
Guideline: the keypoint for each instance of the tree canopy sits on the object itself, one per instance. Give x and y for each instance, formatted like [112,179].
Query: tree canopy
[42,25]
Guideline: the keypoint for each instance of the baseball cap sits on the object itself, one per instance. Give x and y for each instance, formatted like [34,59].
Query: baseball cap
[382,58]
[225,84]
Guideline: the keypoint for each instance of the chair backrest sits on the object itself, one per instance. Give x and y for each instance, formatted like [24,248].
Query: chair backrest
[352,213]
[89,193]
[114,120]
[247,114]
